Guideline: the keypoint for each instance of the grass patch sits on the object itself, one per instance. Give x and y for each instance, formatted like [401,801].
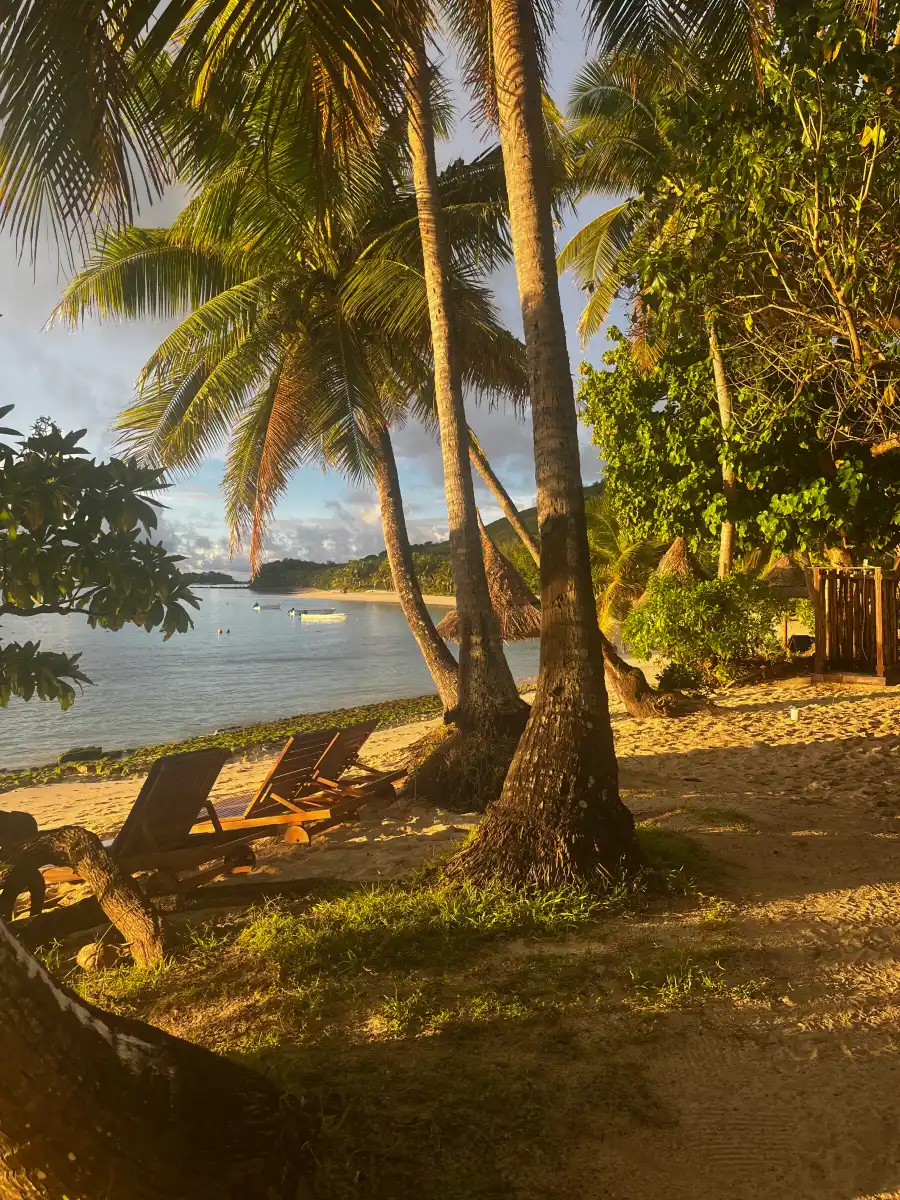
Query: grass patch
[240,739]
[401,928]
[681,979]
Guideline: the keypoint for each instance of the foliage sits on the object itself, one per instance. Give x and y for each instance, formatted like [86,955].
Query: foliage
[659,436]
[709,623]
[263,738]
[679,677]
[73,539]
[620,564]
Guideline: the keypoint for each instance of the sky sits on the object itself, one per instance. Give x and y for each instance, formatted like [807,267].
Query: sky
[83,378]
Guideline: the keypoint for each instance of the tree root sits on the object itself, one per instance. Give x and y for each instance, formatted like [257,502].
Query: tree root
[119,896]
[460,769]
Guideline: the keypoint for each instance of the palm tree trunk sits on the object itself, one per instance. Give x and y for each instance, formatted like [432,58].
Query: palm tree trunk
[438,658]
[94,1104]
[487,690]
[559,818]
[629,682]
[503,498]
[729,479]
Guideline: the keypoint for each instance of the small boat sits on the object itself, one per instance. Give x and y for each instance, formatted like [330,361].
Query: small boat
[259,607]
[323,616]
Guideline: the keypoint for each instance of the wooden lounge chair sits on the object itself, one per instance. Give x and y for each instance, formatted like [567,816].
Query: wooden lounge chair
[308,778]
[157,833]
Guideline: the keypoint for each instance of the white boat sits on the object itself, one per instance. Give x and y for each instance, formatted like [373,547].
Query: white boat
[259,607]
[323,616]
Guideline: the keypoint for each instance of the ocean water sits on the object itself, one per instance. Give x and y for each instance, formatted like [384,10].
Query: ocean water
[268,666]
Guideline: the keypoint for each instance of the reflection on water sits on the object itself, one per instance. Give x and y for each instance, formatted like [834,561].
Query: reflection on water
[267,665]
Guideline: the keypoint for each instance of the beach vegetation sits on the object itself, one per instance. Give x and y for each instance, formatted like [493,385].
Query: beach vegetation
[708,625]
[75,538]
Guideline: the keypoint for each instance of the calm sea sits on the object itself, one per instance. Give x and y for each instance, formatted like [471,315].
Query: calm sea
[269,665]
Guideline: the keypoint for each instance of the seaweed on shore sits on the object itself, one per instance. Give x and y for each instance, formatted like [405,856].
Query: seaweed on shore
[254,739]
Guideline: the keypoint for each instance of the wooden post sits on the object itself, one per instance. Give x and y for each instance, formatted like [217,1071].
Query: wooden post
[820,621]
[879,623]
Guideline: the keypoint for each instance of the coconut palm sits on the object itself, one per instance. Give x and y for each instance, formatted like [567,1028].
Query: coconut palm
[302,343]
[86,91]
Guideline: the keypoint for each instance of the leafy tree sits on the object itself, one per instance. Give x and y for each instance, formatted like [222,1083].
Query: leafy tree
[658,433]
[73,539]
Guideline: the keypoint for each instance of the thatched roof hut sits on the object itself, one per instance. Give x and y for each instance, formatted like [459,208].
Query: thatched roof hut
[678,560]
[787,578]
[514,603]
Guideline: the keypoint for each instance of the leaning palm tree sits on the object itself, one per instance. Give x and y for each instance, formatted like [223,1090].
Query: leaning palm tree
[302,343]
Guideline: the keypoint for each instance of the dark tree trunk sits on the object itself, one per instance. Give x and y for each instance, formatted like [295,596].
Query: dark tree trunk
[729,479]
[631,686]
[438,658]
[98,1107]
[118,894]
[560,818]
[487,690]
[500,494]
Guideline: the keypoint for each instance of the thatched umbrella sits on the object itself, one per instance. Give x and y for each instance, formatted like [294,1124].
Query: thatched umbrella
[514,603]
[678,560]
[787,578]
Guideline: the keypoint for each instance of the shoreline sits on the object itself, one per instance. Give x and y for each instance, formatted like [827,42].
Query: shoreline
[371,594]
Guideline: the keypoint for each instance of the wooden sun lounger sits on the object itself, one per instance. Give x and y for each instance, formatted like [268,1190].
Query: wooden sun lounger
[159,832]
[308,776]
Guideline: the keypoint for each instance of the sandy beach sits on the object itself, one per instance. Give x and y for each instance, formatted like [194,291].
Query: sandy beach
[781,1085]
[371,594]
[744,751]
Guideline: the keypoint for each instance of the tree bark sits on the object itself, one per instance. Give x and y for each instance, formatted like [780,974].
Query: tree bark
[118,894]
[631,686]
[560,818]
[487,690]
[439,660]
[500,494]
[95,1105]
[729,479]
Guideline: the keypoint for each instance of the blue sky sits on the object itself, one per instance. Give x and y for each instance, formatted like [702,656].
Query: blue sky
[84,378]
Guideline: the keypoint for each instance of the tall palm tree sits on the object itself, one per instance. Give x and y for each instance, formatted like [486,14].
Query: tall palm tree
[488,699]
[625,109]
[302,343]
[560,817]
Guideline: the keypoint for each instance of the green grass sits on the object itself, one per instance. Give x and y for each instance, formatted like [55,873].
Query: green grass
[680,979]
[445,1043]
[254,738]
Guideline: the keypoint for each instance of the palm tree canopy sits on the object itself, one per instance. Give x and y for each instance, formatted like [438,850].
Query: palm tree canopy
[301,338]
[87,92]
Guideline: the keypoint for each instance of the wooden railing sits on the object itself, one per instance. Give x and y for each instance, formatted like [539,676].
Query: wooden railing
[856,621]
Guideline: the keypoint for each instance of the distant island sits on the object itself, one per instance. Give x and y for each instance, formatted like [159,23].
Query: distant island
[218,578]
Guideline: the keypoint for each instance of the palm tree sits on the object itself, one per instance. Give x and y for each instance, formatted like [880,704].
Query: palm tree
[302,343]
[488,702]
[560,817]
[624,107]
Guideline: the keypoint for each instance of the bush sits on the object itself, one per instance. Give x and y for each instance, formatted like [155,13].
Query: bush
[706,623]
[677,677]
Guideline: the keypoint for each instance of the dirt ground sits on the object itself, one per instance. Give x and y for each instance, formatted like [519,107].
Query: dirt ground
[741,1043]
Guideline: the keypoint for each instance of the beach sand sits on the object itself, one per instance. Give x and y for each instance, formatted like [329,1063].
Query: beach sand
[786,1090]
[744,752]
[371,594]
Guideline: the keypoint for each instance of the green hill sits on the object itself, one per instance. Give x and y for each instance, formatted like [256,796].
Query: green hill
[501,531]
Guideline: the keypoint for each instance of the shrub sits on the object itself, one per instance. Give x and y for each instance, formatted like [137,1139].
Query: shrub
[708,623]
[678,677]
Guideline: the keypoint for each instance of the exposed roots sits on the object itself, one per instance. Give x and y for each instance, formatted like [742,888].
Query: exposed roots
[560,821]
[461,770]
